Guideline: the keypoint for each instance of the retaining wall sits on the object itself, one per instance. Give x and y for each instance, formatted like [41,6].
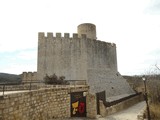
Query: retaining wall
[18,87]
[91,106]
[104,111]
[34,86]
[43,104]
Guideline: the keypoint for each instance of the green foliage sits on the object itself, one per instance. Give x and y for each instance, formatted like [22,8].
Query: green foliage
[55,80]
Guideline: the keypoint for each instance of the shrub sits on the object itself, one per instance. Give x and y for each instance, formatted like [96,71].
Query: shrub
[155,111]
[55,80]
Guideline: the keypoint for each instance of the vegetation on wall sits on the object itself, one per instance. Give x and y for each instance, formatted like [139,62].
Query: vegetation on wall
[153,89]
[55,80]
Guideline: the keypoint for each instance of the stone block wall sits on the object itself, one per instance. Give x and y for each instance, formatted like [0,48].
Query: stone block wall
[81,58]
[63,56]
[113,83]
[18,87]
[41,104]
[33,87]
[73,56]
[104,111]
[91,106]
[29,76]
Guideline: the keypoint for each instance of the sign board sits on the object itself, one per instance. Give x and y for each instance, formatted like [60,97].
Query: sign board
[78,104]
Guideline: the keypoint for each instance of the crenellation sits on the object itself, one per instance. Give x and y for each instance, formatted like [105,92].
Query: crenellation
[108,44]
[41,35]
[83,36]
[113,44]
[66,35]
[29,76]
[58,35]
[75,35]
[81,56]
[103,42]
[49,35]
[38,104]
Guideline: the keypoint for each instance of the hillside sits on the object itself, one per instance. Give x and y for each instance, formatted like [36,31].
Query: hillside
[9,78]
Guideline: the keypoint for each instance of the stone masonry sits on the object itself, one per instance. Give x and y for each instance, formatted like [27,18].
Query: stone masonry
[81,57]
[29,76]
[43,104]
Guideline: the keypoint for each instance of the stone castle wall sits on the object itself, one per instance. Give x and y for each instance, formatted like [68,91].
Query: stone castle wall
[81,57]
[105,111]
[63,56]
[43,104]
[29,76]
[112,82]
[73,56]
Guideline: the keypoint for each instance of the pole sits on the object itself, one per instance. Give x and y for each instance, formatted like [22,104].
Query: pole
[30,86]
[146,99]
[3,89]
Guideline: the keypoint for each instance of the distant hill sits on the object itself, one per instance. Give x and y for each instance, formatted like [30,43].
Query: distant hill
[151,80]
[9,78]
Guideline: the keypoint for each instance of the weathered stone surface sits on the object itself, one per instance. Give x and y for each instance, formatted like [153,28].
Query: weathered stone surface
[82,57]
[41,104]
[104,111]
[29,76]
[91,106]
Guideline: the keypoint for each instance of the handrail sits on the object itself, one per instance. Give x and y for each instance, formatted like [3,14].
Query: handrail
[30,84]
[102,96]
[108,104]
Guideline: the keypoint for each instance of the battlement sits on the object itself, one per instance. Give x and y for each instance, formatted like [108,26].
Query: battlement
[60,35]
[81,56]
[29,76]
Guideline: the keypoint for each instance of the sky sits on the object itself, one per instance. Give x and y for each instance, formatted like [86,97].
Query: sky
[133,25]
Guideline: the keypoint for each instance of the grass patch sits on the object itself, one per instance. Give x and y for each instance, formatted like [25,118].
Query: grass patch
[155,111]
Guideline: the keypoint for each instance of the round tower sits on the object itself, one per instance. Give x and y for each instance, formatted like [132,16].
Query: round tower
[88,29]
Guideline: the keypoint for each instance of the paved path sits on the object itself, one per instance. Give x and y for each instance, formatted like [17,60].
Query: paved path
[128,114]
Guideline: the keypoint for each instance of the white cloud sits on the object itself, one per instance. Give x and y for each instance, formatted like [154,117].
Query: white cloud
[19,68]
[27,55]
[19,61]
[124,22]
[153,8]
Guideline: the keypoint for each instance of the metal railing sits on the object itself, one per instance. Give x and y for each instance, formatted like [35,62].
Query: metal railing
[32,85]
[108,104]
[102,96]
[12,86]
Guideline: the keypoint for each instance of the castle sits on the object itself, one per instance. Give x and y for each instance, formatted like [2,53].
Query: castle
[81,57]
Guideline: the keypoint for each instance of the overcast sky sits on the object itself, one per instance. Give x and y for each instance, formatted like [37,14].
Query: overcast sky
[134,25]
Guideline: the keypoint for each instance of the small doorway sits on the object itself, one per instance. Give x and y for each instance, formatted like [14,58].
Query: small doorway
[78,104]
[97,99]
